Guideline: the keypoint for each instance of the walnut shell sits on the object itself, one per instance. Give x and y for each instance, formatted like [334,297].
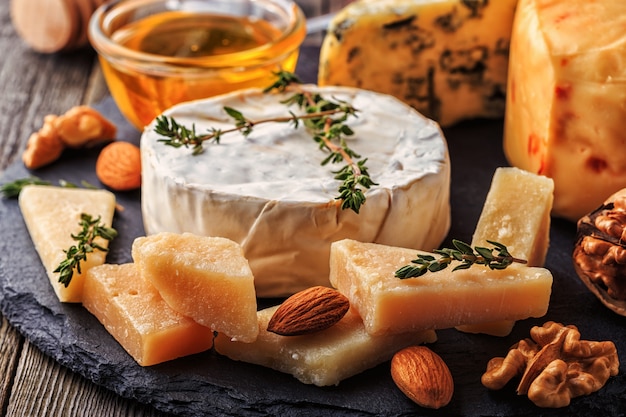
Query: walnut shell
[600,252]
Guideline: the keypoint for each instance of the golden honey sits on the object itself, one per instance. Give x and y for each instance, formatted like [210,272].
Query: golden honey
[176,56]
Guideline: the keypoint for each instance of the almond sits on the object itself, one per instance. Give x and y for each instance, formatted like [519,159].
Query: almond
[119,166]
[422,376]
[308,311]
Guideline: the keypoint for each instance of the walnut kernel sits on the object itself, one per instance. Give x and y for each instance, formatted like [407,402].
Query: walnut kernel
[81,126]
[555,365]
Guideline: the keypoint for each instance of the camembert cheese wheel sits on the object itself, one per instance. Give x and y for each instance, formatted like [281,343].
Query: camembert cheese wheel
[269,192]
[566,104]
[446,58]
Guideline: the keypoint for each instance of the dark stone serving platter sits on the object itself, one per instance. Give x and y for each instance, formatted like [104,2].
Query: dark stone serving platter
[209,384]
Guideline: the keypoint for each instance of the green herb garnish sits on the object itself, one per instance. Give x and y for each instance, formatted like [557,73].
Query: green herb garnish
[325,118]
[463,253]
[91,229]
[14,188]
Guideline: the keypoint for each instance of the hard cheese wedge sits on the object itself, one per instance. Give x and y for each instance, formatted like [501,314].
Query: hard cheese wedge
[323,358]
[205,278]
[132,310]
[52,215]
[364,272]
[446,58]
[565,107]
[516,213]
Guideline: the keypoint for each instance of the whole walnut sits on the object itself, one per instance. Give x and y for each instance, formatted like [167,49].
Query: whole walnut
[600,252]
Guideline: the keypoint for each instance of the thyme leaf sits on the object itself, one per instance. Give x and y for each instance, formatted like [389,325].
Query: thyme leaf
[13,189]
[90,229]
[324,117]
[462,252]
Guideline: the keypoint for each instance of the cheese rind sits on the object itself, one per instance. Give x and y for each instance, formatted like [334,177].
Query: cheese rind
[269,192]
[322,358]
[133,312]
[52,214]
[446,58]
[204,278]
[565,107]
[516,213]
[365,273]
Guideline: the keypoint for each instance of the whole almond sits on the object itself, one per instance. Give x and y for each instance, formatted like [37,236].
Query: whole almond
[308,311]
[422,376]
[119,166]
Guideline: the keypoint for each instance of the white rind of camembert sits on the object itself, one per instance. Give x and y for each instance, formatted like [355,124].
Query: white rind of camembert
[270,193]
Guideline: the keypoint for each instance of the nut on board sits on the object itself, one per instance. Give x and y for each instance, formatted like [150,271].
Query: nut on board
[599,255]
[554,365]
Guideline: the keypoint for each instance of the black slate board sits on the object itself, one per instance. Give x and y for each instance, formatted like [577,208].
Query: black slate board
[208,384]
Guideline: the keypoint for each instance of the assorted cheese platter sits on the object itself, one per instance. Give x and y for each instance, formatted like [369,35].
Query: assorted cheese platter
[430,196]
[208,383]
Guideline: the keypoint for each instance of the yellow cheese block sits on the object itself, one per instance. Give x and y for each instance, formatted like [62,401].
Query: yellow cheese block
[364,272]
[205,278]
[565,104]
[446,58]
[132,310]
[52,215]
[516,213]
[323,358]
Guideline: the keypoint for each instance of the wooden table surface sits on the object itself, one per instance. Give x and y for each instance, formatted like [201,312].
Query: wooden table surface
[33,85]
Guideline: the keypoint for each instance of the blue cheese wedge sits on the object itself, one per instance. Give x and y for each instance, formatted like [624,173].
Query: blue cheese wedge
[52,215]
[269,192]
[446,58]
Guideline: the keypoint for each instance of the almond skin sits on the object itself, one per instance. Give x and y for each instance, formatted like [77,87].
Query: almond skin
[309,311]
[422,376]
[119,166]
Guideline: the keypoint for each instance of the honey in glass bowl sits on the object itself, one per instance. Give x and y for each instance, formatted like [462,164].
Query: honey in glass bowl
[157,53]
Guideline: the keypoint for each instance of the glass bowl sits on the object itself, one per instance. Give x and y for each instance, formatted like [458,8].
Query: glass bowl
[157,53]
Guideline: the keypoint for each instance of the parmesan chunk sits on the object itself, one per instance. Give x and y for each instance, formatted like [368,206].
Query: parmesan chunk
[52,215]
[323,358]
[365,273]
[205,278]
[134,313]
[517,214]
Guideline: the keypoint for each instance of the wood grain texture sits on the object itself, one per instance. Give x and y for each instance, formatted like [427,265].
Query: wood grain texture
[10,346]
[33,85]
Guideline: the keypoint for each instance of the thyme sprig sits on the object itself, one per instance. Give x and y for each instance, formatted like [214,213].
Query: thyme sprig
[462,252]
[91,228]
[13,188]
[325,118]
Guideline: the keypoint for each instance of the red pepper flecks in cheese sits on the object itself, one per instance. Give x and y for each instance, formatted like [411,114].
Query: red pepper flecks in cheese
[566,102]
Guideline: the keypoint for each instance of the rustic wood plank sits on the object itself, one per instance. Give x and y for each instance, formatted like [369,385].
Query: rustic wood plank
[34,85]
[44,388]
[10,347]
